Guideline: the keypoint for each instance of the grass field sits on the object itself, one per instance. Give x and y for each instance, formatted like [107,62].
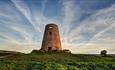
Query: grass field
[57,61]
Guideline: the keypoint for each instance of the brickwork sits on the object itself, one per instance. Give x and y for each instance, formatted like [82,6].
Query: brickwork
[51,40]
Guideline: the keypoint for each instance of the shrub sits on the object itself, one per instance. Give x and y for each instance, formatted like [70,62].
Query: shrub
[104,53]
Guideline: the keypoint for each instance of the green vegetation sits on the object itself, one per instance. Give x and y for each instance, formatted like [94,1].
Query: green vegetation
[57,61]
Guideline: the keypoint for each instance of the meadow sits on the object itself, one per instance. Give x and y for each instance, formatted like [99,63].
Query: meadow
[57,61]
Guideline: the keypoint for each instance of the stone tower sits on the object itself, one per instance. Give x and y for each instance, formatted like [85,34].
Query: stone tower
[51,40]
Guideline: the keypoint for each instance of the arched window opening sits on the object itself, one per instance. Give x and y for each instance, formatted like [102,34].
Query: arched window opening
[50,33]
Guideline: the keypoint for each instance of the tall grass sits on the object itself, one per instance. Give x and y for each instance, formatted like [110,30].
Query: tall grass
[57,61]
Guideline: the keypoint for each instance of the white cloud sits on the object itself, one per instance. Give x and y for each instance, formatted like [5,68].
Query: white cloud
[98,25]
[24,9]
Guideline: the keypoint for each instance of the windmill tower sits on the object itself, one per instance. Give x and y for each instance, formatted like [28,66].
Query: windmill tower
[51,40]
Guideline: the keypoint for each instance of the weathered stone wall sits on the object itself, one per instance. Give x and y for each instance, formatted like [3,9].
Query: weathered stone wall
[51,40]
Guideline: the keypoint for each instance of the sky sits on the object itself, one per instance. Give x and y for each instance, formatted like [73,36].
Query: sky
[86,26]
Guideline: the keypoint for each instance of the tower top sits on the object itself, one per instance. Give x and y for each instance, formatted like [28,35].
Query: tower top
[52,24]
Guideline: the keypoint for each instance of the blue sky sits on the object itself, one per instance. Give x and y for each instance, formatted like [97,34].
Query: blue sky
[86,26]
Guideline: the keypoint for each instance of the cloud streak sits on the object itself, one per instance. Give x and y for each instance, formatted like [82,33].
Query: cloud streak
[24,9]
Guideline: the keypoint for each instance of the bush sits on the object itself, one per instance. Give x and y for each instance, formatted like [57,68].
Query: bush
[104,53]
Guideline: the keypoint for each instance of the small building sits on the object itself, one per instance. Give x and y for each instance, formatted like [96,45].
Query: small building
[51,39]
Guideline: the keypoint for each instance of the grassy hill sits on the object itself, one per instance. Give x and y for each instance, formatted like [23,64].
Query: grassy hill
[57,61]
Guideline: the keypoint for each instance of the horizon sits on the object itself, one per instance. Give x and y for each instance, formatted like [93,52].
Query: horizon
[85,26]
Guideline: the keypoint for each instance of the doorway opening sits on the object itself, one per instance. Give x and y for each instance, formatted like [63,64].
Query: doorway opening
[49,48]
